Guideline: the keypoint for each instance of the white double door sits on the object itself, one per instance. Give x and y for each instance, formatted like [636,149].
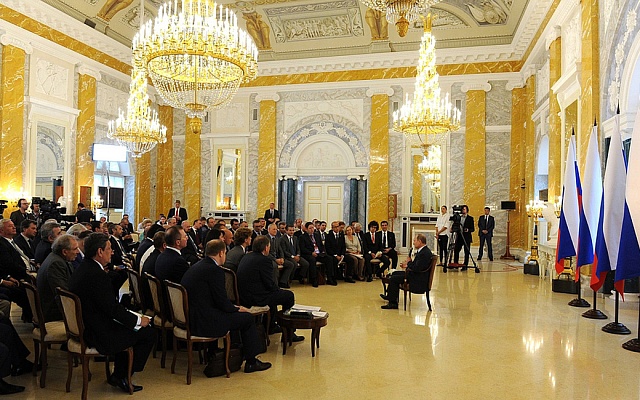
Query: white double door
[323,201]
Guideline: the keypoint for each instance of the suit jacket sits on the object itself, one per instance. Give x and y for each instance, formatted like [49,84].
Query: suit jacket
[11,262]
[145,245]
[118,256]
[287,249]
[42,251]
[484,223]
[209,305]
[171,265]
[363,243]
[150,268]
[27,248]
[391,240]
[306,245]
[55,271]
[467,229]
[233,258]
[275,251]
[84,216]
[416,276]
[18,217]
[267,214]
[189,254]
[182,213]
[335,245]
[255,279]
[194,236]
[370,245]
[108,325]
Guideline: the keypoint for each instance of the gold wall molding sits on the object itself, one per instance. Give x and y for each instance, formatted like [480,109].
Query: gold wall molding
[589,77]
[267,155]
[164,165]
[85,167]
[379,159]
[475,150]
[192,162]
[555,122]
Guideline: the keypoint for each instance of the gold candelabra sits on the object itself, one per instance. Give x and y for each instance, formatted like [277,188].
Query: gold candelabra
[400,12]
[534,210]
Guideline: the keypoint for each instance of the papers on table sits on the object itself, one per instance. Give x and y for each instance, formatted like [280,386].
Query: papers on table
[315,311]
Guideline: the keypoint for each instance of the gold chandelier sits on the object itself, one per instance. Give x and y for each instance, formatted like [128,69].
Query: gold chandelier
[401,12]
[428,118]
[196,56]
[139,130]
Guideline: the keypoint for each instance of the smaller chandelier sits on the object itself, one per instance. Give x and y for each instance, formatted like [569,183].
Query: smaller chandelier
[401,12]
[139,130]
[427,118]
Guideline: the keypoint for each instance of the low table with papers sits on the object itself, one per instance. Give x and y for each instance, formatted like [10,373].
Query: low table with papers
[302,317]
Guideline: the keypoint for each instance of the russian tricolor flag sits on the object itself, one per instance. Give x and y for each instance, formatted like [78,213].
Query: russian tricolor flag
[570,213]
[591,201]
[611,210]
[629,254]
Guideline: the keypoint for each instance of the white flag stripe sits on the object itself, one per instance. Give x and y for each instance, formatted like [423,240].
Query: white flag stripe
[633,177]
[592,186]
[615,177]
[570,205]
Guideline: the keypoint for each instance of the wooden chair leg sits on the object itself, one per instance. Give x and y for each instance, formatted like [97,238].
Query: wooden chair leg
[268,325]
[164,348]
[107,370]
[428,301]
[85,376]
[43,362]
[227,347]
[189,360]
[155,344]
[175,354]
[130,369]
[69,370]
[36,354]
[405,300]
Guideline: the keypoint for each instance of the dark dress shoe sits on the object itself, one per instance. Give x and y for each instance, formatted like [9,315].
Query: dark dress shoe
[7,388]
[491,259]
[301,280]
[25,367]
[384,297]
[284,285]
[297,338]
[256,366]
[123,384]
[314,284]
[369,279]
[349,280]
[463,269]
[390,306]
[332,283]
[479,258]
[275,329]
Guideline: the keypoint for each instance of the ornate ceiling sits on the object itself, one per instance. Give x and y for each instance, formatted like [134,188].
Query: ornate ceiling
[294,29]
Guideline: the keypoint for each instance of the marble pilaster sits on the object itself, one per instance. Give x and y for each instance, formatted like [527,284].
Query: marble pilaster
[416,201]
[529,152]
[475,150]
[555,123]
[87,93]
[267,154]
[379,158]
[164,165]
[143,187]
[353,199]
[516,192]
[192,161]
[589,77]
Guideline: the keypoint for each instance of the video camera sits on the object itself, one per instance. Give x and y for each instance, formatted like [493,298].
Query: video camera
[3,206]
[49,209]
[456,218]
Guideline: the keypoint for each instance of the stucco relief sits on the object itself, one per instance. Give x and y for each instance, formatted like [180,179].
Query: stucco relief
[132,17]
[51,79]
[492,12]
[571,42]
[321,155]
[109,101]
[542,82]
[232,116]
[351,110]
[620,57]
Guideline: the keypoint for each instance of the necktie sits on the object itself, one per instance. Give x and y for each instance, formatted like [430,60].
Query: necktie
[25,259]
[373,237]
[315,246]
[384,239]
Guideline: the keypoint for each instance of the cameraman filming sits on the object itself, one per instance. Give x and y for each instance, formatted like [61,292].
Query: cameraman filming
[464,238]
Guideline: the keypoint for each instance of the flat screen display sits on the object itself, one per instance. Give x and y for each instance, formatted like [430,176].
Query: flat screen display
[116,197]
[108,152]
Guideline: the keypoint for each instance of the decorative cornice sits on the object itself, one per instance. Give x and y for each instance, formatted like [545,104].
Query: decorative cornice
[529,72]
[260,97]
[486,86]
[514,84]
[554,34]
[10,40]
[379,90]
[84,70]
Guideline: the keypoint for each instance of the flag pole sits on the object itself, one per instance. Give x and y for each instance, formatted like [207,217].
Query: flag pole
[634,344]
[616,327]
[579,302]
[594,313]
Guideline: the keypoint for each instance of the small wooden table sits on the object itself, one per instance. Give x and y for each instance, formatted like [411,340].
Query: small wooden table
[288,324]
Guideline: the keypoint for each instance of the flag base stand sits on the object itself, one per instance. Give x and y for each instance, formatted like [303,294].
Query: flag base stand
[616,328]
[632,345]
[594,314]
[579,302]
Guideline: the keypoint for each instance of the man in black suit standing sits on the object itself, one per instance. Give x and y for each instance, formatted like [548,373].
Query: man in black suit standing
[464,238]
[170,265]
[55,272]
[486,224]
[387,243]
[212,313]
[312,250]
[28,232]
[419,261]
[271,214]
[257,286]
[109,327]
[242,242]
[20,215]
[83,214]
[179,213]
[291,249]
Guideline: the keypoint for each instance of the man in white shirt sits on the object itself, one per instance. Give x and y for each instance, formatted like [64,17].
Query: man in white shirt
[442,234]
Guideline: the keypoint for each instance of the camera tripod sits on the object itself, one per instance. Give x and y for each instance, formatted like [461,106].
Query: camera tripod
[451,249]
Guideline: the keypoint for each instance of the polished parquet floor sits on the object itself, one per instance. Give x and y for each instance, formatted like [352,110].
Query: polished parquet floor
[499,334]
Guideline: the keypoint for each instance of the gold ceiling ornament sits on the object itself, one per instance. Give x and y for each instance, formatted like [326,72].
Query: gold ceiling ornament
[401,12]
[428,118]
[196,55]
[139,130]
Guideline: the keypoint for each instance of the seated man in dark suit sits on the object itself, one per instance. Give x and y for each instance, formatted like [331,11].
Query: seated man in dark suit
[24,240]
[212,313]
[55,272]
[312,250]
[13,356]
[146,247]
[290,247]
[336,248]
[190,252]
[242,241]
[374,248]
[387,243]
[13,268]
[283,267]
[271,214]
[170,265]
[257,286]
[149,267]
[109,327]
[120,255]
[49,231]
[419,261]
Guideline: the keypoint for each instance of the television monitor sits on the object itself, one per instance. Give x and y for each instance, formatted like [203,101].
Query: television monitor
[108,152]
[508,205]
[116,197]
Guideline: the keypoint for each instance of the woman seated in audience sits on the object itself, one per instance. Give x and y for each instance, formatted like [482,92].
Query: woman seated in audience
[354,255]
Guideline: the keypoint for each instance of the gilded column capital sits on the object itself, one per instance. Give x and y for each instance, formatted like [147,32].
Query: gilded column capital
[10,40]
[554,34]
[84,70]
[379,90]
[274,96]
[484,86]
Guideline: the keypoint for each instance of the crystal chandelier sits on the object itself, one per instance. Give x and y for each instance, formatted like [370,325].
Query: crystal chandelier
[428,118]
[139,130]
[401,12]
[196,56]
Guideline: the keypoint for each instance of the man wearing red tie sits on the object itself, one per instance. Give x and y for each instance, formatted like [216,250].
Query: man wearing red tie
[179,213]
